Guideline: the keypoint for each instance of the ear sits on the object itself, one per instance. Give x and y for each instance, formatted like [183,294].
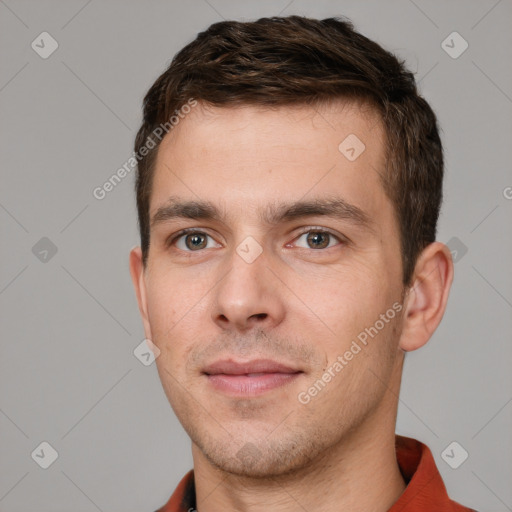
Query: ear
[426,300]
[137,271]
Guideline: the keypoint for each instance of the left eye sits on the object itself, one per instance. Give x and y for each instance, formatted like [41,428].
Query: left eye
[318,239]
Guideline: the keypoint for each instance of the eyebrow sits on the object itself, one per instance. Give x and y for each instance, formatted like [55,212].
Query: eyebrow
[274,213]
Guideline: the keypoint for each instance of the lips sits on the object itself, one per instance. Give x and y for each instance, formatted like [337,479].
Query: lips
[251,378]
[258,366]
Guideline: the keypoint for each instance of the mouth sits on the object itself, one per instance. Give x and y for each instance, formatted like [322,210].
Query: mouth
[251,378]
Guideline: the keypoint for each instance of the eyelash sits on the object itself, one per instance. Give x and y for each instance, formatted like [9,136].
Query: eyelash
[308,229]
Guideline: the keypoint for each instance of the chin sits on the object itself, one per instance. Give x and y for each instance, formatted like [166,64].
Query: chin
[260,462]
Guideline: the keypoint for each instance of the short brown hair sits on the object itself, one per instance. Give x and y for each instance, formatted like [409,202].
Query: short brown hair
[297,60]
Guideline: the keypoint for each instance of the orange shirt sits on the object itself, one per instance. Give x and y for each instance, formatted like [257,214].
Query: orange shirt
[425,491]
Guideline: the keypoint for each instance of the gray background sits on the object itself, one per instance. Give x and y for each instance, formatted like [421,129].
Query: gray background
[70,323]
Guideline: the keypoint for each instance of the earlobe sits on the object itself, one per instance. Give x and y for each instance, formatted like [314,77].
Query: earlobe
[426,300]
[139,283]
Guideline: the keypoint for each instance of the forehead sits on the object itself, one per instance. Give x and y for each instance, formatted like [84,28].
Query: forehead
[245,157]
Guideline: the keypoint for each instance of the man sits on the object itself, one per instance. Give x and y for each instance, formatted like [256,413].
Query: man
[288,190]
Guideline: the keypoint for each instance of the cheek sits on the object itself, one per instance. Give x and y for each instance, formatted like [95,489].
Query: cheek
[346,301]
[176,312]
[167,312]
[162,310]
[171,297]
[352,310]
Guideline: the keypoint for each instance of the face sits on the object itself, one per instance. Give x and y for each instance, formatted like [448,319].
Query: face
[277,314]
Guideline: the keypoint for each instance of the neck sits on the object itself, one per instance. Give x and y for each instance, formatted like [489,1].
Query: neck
[359,473]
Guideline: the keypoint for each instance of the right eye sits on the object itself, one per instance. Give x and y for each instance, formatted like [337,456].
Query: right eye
[192,240]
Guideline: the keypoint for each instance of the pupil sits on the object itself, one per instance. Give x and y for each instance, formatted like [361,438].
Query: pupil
[195,240]
[315,238]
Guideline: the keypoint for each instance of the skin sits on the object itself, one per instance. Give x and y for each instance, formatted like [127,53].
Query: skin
[295,303]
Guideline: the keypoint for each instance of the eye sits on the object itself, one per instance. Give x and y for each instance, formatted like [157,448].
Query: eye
[192,241]
[318,239]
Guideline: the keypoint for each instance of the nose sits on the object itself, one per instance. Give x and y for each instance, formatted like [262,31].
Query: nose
[249,296]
